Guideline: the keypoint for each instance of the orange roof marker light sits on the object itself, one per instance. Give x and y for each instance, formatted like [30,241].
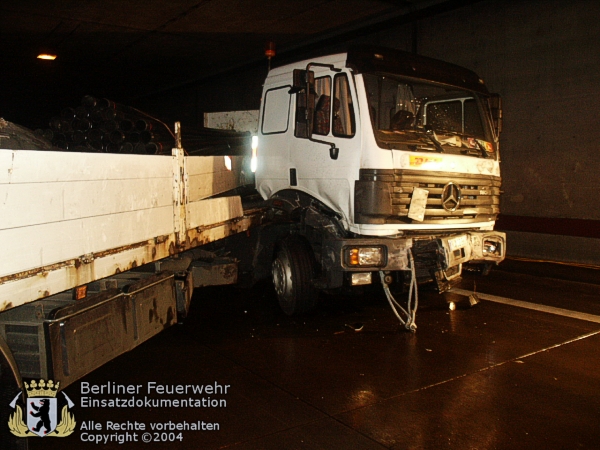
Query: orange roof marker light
[270,49]
[269,52]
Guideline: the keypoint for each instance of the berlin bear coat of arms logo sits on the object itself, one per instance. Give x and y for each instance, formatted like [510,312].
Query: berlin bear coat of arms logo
[42,413]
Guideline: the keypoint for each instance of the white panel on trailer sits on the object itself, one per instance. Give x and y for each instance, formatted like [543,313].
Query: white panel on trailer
[214,210]
[208,175]
[26,166]
[57,206]
[28,204]
[47,244]
[68,219]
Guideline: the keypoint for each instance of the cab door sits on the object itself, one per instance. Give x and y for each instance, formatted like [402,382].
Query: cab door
[325,163]
[275,135]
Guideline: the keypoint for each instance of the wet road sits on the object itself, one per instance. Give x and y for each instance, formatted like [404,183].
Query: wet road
[495,376]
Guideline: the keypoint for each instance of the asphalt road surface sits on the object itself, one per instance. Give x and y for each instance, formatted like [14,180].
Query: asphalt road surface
[520,370]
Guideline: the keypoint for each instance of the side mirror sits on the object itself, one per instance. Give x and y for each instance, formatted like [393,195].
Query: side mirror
[495,102]
[304,87]
[302,78]
[334,152]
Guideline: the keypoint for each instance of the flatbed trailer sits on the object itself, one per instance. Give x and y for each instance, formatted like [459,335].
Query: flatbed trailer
[93,247]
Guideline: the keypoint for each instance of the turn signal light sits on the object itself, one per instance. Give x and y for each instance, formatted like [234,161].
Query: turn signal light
[365,256]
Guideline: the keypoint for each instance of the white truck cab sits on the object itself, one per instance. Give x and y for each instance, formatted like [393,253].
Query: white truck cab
[401,150]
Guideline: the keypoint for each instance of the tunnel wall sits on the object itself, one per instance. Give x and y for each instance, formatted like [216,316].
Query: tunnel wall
[543,58]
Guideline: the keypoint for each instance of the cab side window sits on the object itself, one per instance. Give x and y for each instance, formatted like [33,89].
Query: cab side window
[322,121]
[276,110]
[327,109]
[343,111]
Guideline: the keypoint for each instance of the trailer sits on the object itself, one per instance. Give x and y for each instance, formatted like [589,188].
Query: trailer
[101,252]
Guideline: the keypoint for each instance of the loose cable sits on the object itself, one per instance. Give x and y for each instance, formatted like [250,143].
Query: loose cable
[411,312]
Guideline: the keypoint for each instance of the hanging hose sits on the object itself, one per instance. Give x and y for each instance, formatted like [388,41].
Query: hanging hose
[411,312]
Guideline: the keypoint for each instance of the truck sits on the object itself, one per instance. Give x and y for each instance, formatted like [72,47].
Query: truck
[373,166]
[382,162]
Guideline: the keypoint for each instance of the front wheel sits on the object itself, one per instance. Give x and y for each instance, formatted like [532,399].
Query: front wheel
[293,272]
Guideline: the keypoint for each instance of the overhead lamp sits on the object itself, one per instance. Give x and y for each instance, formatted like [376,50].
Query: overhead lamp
[46,56]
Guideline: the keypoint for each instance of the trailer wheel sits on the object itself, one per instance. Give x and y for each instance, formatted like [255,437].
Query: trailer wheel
[293,271]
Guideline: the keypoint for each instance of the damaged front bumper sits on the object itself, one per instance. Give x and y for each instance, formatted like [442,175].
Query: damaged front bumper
[473,247]
[440,258]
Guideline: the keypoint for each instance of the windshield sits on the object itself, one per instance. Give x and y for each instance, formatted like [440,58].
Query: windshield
[416,115]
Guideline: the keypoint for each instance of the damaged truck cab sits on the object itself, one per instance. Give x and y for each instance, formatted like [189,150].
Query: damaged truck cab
[382,162]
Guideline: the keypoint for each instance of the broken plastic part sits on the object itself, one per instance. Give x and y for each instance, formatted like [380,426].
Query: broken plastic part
[355,326]
[473,299]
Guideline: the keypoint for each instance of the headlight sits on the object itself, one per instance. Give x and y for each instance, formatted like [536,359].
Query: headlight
[365,256]
[491,247]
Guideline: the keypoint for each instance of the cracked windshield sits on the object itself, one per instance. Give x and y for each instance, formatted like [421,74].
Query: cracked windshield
[417,116]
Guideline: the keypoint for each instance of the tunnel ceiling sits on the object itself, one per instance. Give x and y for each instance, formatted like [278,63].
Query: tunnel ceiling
[130,49]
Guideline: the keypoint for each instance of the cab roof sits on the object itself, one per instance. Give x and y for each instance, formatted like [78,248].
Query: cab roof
[385,60]
[374,59]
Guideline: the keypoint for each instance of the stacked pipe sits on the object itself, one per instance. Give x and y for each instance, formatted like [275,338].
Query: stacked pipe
[101,125]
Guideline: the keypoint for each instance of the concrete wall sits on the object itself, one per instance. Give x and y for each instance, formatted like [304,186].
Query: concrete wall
[543,57]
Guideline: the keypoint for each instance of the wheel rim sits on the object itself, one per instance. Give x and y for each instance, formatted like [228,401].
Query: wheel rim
[282,279]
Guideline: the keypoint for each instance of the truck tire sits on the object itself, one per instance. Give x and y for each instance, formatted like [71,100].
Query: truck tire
[293,272]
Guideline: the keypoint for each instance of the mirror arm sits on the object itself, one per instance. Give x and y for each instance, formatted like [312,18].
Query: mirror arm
[333,150]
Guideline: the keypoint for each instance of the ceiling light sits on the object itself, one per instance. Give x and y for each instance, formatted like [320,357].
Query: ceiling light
[46,56]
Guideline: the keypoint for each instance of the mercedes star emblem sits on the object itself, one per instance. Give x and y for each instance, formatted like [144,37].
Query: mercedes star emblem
[451,197]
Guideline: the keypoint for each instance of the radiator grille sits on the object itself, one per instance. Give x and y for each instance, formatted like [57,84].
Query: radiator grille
[479,195]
